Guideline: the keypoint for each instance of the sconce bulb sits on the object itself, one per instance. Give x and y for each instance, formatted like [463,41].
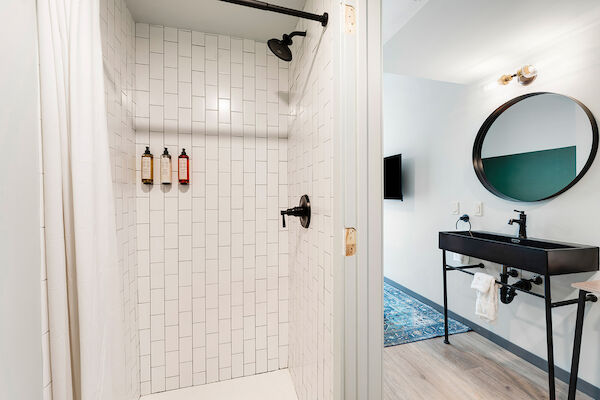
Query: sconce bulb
[529,71]
[527,74]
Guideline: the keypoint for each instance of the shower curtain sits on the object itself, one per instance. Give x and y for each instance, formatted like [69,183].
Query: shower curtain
[87,353]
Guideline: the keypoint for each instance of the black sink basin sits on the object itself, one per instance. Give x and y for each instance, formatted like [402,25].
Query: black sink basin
[540,256]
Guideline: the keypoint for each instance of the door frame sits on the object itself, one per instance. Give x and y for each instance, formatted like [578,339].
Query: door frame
[360,89]
[371,202]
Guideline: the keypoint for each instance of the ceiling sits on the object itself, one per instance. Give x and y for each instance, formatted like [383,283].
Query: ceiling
[465,41]
[215,16]
[396,14]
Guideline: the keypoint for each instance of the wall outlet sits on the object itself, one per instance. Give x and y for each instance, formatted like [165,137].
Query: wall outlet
[478,208]
[455,208]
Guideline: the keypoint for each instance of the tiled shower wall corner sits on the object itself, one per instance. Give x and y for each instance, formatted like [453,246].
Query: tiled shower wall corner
[213,275]
[118,49]
[312,106]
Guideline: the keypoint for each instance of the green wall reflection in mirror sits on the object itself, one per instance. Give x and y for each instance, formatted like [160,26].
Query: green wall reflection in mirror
[535,147]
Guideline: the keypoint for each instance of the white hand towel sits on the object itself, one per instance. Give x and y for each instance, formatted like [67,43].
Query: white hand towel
[486,306]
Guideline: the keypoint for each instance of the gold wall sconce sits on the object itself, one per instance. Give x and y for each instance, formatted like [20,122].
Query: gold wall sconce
[524,75]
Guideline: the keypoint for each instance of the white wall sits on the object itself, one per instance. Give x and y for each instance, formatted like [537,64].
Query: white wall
[20,299]
[213,275]
[540,123]
[433,125]
[311,171]
[118,50]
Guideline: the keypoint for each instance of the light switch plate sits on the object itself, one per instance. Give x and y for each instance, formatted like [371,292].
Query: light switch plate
[478,208]
[455,208]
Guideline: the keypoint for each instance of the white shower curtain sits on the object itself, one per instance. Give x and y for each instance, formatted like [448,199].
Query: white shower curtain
[87,353]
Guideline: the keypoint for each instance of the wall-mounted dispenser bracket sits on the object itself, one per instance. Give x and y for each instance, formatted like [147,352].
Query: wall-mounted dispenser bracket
[302,211]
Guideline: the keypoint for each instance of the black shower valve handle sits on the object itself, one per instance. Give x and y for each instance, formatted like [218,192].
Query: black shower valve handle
[302,211]
[283,214]
[297,211]
[294,211]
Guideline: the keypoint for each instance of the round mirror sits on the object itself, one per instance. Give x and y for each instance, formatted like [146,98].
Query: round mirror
[535,147]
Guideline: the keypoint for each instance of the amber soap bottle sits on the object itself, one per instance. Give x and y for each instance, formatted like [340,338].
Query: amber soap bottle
[165,168]
[184,168]
[147,167]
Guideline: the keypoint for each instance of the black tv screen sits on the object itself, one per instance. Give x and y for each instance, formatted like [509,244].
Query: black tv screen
[392,177]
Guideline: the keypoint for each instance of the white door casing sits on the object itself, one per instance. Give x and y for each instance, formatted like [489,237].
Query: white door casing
[360,74]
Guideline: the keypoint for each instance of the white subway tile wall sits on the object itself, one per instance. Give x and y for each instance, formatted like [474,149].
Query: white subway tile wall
[212,256]
[118,49]
[310,171]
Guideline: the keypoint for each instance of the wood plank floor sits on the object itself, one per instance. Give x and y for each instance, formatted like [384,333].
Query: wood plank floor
[471,368]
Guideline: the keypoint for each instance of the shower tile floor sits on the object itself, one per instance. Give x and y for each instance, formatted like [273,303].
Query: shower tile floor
[275,385]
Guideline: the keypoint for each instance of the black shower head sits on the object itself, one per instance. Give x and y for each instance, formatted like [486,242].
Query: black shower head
[281,48]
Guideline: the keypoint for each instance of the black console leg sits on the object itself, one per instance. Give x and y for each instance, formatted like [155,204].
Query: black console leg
[577,344]
[445,298]
[549,340]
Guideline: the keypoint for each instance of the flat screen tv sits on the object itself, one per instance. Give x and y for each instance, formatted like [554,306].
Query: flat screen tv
[392,177]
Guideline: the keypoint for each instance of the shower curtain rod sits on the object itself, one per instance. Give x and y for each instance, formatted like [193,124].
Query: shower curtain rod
[261,5]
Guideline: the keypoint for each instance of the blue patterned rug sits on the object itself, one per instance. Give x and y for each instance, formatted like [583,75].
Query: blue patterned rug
[408,320]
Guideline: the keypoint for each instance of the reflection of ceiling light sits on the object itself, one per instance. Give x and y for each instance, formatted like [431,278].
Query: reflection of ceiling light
[525,76]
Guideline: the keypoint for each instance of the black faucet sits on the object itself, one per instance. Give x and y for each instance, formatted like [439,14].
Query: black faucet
[522,221]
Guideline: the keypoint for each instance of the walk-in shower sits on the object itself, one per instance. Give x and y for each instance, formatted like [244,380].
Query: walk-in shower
[184,262]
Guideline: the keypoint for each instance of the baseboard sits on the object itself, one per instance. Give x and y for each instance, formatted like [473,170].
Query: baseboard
[582,386]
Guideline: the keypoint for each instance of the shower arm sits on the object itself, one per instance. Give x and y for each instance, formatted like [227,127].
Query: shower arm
[261,5]
[287,39]
[297,33]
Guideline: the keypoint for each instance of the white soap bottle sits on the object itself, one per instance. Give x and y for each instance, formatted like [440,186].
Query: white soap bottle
[165,168]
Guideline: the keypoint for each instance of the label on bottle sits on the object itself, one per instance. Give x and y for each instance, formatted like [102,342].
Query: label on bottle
[165,170]
[146,167]
[183,169]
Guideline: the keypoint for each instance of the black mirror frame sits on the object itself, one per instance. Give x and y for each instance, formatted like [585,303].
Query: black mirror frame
[479,139]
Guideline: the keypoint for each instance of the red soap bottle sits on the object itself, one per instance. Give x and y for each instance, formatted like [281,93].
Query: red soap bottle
[184,168]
